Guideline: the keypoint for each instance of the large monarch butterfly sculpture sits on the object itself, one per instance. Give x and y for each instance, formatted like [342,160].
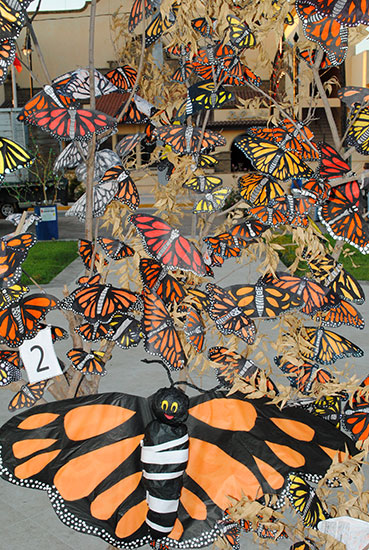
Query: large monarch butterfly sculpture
[87,454]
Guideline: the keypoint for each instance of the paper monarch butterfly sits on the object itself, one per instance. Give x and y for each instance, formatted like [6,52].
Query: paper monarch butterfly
[356,413]
[127,144]
[27,396]
[103,194]
[72,123]
[92,332]
[194,329]
[248,230]
[258,189]
[341,216]
[325,30]
[314,296]
[7,56]
[230,363]
[303,545]
[327,346]
[12,157]
[104,159]
[186,139]
[348,12]
[212,202]
[10,356]
[228,317]
[136,14]
[203,183]
[87,362]
[302,377]
[332,274]
[20,320]
[156,277]
[309,57]
[125,331]
[270,159]
[76,84]
[161,24]
[123,77]
[303,498]
[127,192]
[240,33]
[331,164]
[160,335]
[12,17]
[353,94]
[70,157]
[57,447]
[202,25]
[285,210]
[86,249]
[223,246]
[329,408]
[115,249]
[166,245]
[97,302]
[343,313]
[357,134]
[314,188]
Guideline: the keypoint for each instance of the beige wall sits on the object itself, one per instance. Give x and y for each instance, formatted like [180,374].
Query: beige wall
[63,38]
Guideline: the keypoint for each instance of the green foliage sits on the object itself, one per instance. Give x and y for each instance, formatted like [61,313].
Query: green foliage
[46,259]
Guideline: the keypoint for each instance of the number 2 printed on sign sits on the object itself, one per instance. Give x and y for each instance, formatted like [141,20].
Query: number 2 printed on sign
[39,358]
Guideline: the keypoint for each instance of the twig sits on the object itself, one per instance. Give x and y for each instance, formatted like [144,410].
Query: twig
[32,279]
[140,66]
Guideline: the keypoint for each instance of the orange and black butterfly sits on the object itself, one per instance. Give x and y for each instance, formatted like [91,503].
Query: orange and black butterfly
[303,545]
[115,249]
[309,57]
[136,13]
[331,164]
[314,296]
[185,140]
[86,250]
[86,453]
[161,24]
[331,274]
[303,376]
[347,12]
[326,30]
[155,276]
[204,26]
[194,329]
[353,94]
[7,56]
[92,332]
[264,299]
[13,252]
[166,245]
[229,364]
[356,413]
[258,189]
[20,320]
[123,77]
[224,246]
[341,216]
[57,333]
[87,362]
[161,337]
[317,189]
[248,230]
[27,396]
[343,313]
[125,331]
[127,192]
[11,357]
[97,302]
[327,346]
[128,144]
[228,316]
[285,210]
[133,113]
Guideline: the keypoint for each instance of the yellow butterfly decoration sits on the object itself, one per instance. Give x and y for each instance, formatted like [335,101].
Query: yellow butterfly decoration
[212,201]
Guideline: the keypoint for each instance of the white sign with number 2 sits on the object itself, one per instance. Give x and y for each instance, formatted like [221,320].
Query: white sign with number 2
[39,358]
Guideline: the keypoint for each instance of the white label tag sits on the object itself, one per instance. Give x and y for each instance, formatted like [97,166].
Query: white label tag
[39,358]
[48,214]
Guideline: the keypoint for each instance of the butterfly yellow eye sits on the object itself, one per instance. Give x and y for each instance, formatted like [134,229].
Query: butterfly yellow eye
[174,407]
[164,405]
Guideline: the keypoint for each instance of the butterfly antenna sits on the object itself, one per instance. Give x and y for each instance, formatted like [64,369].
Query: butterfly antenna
[163,365]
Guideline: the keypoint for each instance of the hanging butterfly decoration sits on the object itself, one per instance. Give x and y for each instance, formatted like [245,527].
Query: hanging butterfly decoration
[87,362]
[340,214]
[136,13]
[76,84]
[258,189]
[356,413]
[166,245]
[12,18]
[156,277]
[185,140]
[212,202]
[128,144]
[248,230]
[160,24]
[160,336]
[327,346]
[103,194]
[71,157]
[357,134]
[184,71]
[12,157]
[11,294]
[203,183]
[303,377]
[285,210]
[8,373]
[224,246]
[303,498]
[104,159]
[7,56]
[240,34]
[194,329]
[123,77]
[27,396]
[325,29]
[127,192]
[205,26]
[125,331]
[115,249]
[109,501]
[87,250]
[343,313]
[272,160]
[309,57]
[93,332]
[20,320]
[331,164]
[13,252]
[353,94]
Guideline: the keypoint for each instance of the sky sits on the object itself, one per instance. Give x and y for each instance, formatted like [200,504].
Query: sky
[58,5]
